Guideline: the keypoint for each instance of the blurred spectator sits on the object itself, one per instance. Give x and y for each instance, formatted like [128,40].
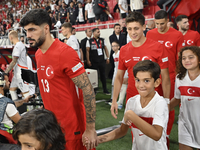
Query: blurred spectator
[56,12]
[75,3]
[88,33]
[63,13]
[48,7]
[123,26]
[74,31]
[99,8]
[161,2]
[171,24]
[150,25]
[116,8]
[104,16]
[15,25]
[81,14]
[123,5]
[136,5]
[72,13]
[89,13]
[53,19]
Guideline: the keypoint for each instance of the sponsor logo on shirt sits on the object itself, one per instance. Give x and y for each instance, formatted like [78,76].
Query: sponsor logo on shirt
[141,134]
[77,67]
[126,61]
[165,59]
[161,42]
[168,44]
[42,67]
[189,99]
[136,58]
[50,72]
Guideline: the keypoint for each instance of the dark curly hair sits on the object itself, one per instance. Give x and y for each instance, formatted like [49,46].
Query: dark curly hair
[41,124]
[180,69]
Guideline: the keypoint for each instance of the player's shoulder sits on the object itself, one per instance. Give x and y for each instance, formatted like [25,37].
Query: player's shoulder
[155,30]
[133,99]
[193,32]
[157,99]
[175,32]
[20,44]
[126,46]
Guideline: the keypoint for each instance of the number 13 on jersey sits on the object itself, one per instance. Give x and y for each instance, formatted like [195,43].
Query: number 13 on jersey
[45,85]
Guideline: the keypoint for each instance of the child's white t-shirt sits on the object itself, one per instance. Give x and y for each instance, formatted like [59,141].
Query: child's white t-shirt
[156,113]
[189,115]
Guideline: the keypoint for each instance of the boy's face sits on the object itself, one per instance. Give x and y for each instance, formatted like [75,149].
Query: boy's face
[145,84]
[115,46]
[29,142]
[135,30]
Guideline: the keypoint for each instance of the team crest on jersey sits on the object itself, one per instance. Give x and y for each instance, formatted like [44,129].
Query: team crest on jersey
[168,44]
[49,72]
[146,58]
[189,42]
[77,67]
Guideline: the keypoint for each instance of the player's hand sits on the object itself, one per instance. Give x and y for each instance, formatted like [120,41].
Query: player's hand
[114,109]
[27,98]
[128,122]
[89,63]
[89,138]
[107,61]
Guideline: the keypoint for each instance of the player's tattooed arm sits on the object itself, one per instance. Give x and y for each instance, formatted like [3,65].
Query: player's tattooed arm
[83,83]
[12,64]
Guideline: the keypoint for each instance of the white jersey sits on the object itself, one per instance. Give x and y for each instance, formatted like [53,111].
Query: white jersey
[124,5]
[30,67]
[188,127]
[20,52]
[89,9]
[73,42]
[155,113]
[116,63]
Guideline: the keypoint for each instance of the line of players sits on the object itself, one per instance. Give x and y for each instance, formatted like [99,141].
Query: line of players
[55,66]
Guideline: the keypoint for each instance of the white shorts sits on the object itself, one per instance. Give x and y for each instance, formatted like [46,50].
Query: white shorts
[18,82]
[185,136]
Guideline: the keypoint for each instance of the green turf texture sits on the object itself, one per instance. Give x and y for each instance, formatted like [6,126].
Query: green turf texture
[104,119]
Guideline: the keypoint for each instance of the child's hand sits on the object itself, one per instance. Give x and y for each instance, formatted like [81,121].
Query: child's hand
[128,122]
[86,142]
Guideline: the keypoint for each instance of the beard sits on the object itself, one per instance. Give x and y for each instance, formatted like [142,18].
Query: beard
[184,29]
[38,43]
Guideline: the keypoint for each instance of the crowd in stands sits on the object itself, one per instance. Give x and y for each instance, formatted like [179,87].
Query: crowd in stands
[73,11]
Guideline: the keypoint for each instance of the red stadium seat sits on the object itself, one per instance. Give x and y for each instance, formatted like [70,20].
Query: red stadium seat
[149,10]
[116,15]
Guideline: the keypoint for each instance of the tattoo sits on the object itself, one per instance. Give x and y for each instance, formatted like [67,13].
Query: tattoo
[103,138]
[12,64]
[83,83]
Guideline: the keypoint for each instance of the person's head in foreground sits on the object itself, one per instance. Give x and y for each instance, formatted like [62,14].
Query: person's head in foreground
[135,23]
[189,60]
[37,24]
[39,130]
[147,77]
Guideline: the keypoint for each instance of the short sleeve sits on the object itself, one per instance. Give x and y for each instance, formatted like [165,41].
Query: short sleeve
[177,93]
[11,110]
[163,59]
[87,43]
[16,51]
[121,65]
[161,113]
[120,2]
[86,7]
[73,43]
[71,63]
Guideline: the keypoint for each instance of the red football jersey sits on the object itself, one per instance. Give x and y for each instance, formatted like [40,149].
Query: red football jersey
[192,38]
[130,55]
[55,68]
[173,41]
